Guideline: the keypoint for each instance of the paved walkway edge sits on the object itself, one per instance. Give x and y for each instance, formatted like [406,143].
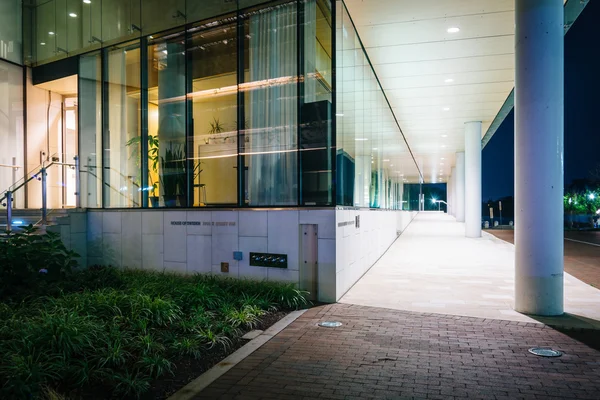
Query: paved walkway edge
[197,385]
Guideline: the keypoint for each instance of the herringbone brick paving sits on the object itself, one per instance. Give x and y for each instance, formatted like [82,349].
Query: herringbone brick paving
[381,353]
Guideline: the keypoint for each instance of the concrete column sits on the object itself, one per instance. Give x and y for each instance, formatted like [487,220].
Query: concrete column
[453,174]
[460,186]
[473,179]
[539,102]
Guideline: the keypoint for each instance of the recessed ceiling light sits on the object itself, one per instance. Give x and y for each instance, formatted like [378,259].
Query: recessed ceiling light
[444,135]
[442,158]
[374,148]
[72,15]
[42,44]
[453,29]
[446,108]
[449,80]
[386,160]
[87,1]
[166,52]
[443,145]
[339,114]
[50,33]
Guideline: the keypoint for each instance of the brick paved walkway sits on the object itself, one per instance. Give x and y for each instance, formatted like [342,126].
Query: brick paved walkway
[382,353]
[581,260]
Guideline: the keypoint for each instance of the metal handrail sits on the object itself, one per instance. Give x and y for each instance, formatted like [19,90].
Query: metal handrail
[8,194]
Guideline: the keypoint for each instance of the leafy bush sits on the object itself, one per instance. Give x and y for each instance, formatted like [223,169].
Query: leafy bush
[119,329]
[28,259]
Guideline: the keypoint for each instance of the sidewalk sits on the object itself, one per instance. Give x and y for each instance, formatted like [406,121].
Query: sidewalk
[434,268]
[390,354]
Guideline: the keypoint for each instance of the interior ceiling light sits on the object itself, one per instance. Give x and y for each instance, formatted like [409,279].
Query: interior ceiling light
[449,80]
[87,1]
[444,136]
[42,44]
[443,145]
[50,33]
[453,29]
[339,114]
[72,15]
[446,108]
[361,139]
[386,160]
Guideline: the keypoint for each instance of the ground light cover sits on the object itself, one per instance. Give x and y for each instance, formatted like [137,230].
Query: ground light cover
[103,332]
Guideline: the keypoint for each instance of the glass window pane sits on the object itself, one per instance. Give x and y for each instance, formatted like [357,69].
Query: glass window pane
[45,43]
[214,108]
[160,15]
[167,122]
[90,129]
[122,178]
[120,19]
[271,145]
[315,108]
[11,128]
[10,30]
[200,10]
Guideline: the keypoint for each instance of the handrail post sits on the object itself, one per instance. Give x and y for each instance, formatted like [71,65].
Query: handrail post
[77,183]
[44,200]
[8,210]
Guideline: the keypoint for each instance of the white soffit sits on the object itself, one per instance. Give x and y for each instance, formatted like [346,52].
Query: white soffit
[436,80]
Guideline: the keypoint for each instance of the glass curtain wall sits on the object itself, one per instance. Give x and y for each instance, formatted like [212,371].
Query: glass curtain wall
[61,28]
[231,111]
[373,161]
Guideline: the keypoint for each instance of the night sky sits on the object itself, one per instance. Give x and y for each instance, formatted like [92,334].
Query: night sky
[582,106]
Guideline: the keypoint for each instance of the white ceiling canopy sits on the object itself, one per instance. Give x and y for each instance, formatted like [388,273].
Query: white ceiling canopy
[441,64]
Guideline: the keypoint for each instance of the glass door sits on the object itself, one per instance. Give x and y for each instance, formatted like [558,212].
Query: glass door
[69,151]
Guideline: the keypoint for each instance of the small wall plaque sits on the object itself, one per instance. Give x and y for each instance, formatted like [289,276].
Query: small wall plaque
[268,260]
[224,267]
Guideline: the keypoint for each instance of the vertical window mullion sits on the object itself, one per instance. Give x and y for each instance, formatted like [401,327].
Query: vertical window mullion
[241,115]
[104,131]
[144,120]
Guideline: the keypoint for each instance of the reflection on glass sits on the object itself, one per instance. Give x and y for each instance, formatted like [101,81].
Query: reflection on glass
[90,129]
[122,176]
[373,163]
[166,121]
[11,128]
[10,30]
[160,15]
[120,19]
[271,107]
[213,54]
[315,109]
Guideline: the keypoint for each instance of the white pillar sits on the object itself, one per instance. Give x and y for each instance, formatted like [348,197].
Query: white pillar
[453,174]
[539,102]
[473,179]
[460,186]
[449,195]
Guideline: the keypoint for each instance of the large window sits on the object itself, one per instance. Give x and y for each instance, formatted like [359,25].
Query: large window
[213,103]
[121,166]
[271,106]
[11,128]
[90,130]
[168,167]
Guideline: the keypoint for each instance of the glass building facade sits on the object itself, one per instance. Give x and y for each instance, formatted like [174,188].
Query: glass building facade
[223,104]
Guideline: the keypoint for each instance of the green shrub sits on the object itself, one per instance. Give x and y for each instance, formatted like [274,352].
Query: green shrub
[28,259]
[119,329]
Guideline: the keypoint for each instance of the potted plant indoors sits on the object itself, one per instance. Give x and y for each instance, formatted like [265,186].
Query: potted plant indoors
[173,175]
[134,144]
